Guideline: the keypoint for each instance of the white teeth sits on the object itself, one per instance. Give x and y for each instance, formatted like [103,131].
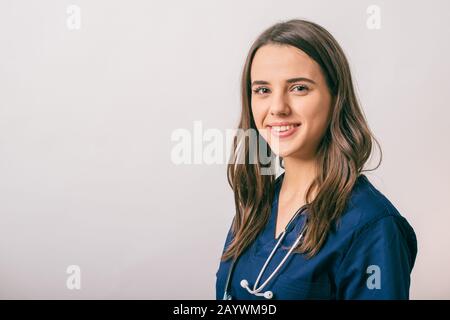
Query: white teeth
[282,128]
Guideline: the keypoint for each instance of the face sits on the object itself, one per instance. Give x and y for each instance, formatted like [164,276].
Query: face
[291,103]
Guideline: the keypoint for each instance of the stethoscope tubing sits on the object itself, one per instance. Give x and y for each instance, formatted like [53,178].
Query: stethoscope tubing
[227,296]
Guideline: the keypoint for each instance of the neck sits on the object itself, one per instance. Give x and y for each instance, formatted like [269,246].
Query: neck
[298,175]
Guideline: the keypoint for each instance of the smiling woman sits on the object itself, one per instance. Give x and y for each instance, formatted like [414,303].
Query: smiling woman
[307,96]
[339,237]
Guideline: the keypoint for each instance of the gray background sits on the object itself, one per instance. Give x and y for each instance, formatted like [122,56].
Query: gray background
[86,118]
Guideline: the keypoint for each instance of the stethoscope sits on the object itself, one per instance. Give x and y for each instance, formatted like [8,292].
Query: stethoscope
[257,291]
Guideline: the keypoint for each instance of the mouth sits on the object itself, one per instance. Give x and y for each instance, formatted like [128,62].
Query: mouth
[284,130]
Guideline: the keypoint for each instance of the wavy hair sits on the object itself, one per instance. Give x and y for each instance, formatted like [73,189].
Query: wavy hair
[341,155]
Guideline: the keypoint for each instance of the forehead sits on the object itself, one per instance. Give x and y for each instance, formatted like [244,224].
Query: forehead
[279,62]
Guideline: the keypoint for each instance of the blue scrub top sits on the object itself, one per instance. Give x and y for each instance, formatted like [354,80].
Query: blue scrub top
[369,255]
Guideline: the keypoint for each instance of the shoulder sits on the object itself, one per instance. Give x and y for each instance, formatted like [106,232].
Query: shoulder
[369,209]
[367,204]
[371,228]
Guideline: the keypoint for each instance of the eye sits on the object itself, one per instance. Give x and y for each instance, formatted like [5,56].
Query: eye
[257,90]
[302,87]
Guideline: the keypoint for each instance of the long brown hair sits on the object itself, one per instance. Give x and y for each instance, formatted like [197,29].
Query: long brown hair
[341,154]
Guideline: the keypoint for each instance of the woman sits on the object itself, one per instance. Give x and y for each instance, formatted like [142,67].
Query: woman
[345,239]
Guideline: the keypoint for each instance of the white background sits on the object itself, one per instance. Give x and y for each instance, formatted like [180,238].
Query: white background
[86,118]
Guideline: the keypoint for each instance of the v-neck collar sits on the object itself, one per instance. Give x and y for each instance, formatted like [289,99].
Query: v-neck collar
[275,211]
[266,241]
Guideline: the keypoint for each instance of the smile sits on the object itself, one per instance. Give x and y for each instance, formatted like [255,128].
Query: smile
[284,131]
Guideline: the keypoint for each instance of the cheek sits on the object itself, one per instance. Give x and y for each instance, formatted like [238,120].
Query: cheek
[316,116]
[258,113]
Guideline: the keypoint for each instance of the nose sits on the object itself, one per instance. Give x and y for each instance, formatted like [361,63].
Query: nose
[278,105]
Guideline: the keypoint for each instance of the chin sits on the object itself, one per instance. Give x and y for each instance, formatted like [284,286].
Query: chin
[284,153]
[287,151]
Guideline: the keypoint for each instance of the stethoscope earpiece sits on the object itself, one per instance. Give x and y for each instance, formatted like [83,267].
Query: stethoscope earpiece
[244,283]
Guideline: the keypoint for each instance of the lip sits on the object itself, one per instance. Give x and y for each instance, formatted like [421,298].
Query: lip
[284,123]
[284,134]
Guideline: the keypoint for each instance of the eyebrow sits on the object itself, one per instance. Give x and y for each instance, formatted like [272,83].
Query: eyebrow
[288,81]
